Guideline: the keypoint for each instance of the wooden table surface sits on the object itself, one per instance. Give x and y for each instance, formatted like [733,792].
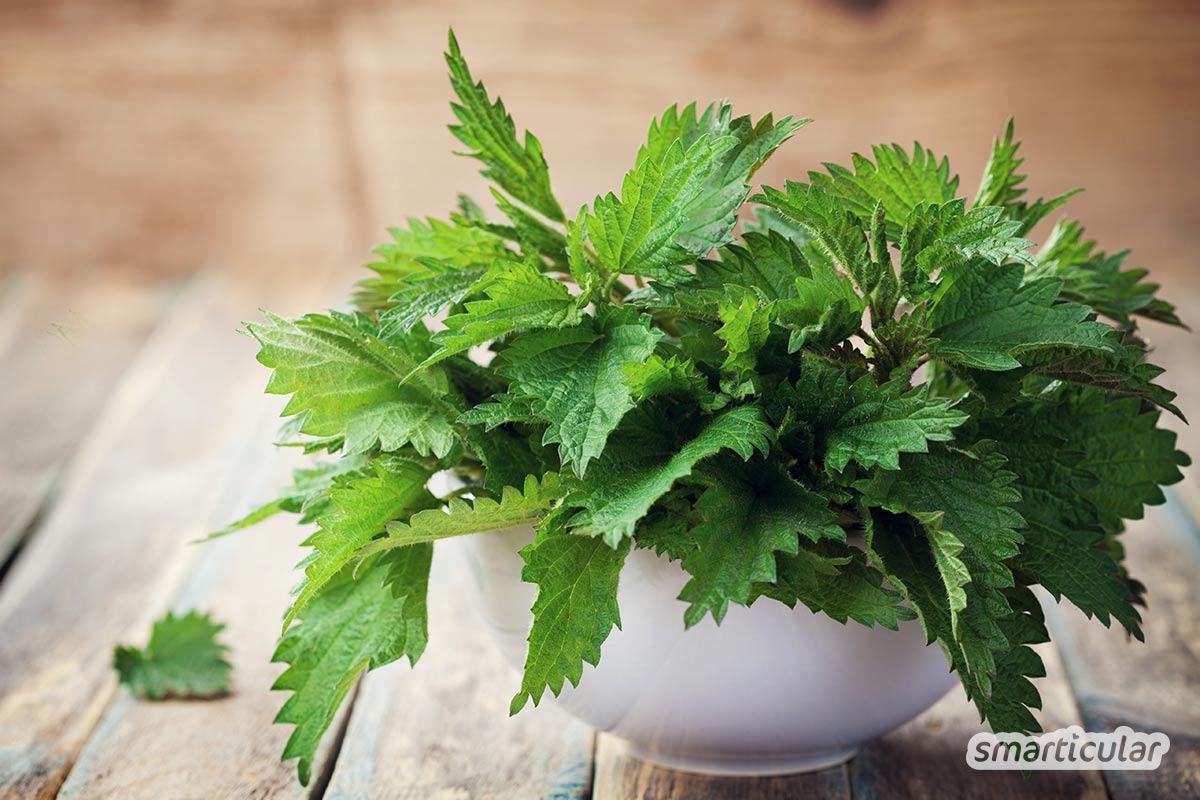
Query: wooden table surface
[170,167]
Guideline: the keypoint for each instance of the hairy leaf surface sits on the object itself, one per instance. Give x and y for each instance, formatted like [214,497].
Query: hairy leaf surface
[575,610]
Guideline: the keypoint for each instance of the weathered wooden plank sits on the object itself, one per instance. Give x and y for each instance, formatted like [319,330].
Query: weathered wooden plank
[1151,686]
[64,346]
[227,747]
[620,776]
[112,551]
[442,730]
[21,498]
[927,757]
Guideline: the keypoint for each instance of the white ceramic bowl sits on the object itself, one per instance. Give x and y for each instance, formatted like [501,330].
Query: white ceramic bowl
[770,691]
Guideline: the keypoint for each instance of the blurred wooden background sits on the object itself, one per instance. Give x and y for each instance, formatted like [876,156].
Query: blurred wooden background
[169,166]
[156,137]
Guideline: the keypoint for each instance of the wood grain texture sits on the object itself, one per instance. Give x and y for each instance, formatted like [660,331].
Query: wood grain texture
[171,138]
[620,776]
[441,731]
[1151,686]
[21,499]
[107,109]
[226,747]
[63,346]
[113,550]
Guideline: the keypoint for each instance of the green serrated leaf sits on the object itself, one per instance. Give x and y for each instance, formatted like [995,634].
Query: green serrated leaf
[869,424]
[519,297]
[679,201]
[575,378]
[834,578]
[487,128]
[946,549]
[581,265]
[825,310]
[666,534]
[1001,186]
[745,326]
[1097,279]
[358,623]
[345,381]
[670,377]
[900,181]
[832,229]
[359,510]
[768,263]
[426,292]
[941,237]
[755,141]
[665,218]
[748,517]
[575,610]
[461,246]
[622,487]
[509,454]
[983,633]
[182,659]
[1083,465]
[533,234]
[516,507]
[972,490]
[1127,373]
[986,318]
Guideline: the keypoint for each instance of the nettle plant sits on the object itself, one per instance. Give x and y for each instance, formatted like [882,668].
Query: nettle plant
[878,401]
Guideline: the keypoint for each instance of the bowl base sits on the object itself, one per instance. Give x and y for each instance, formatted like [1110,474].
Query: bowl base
[739,765]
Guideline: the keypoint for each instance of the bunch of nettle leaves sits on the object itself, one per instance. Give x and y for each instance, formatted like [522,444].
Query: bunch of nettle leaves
[873,355]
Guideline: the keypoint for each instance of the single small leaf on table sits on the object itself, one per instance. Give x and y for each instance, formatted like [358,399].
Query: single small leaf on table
[182,659]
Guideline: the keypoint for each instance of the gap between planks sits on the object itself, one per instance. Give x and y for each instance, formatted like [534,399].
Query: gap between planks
[442,730]
[112,550]
[225,747]
[1150,686]
[63,345]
